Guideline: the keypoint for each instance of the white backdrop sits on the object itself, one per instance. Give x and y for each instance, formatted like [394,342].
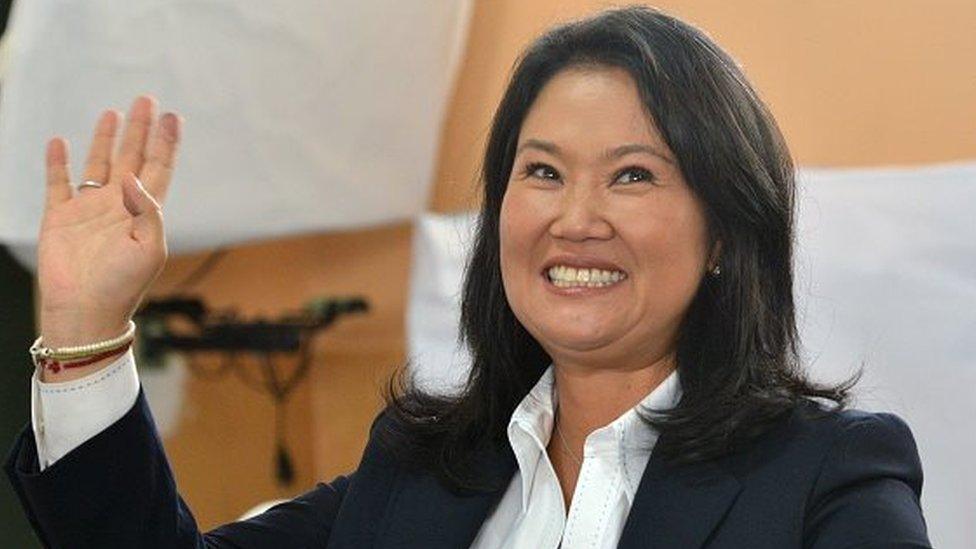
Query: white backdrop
[886,276]
[301,115]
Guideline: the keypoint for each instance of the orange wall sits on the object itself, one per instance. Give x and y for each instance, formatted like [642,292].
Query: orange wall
[851,83]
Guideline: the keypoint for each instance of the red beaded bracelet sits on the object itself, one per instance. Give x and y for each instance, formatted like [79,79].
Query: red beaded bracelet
[55,365]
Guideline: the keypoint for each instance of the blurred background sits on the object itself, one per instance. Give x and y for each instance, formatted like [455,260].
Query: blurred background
[319,216]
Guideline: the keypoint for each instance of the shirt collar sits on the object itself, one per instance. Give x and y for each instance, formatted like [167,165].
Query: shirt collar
[626,439]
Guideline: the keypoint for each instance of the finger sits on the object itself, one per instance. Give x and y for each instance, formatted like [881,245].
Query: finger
[58,174]
[158,169]
[147,223]
[132,150]
[99,163]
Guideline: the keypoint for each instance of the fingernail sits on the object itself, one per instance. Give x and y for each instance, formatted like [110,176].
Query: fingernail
[171,126]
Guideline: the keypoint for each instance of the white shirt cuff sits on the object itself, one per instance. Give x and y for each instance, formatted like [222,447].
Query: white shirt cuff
[67,414]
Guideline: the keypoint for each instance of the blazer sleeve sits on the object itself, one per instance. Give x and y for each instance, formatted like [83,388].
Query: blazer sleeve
[868,489]
[117,490]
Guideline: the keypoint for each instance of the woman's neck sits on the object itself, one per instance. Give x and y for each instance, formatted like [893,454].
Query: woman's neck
[590,398]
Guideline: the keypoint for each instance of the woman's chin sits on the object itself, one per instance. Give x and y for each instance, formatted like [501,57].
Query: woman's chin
[564,340]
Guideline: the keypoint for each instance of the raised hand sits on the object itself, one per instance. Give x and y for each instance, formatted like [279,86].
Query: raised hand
[101,248]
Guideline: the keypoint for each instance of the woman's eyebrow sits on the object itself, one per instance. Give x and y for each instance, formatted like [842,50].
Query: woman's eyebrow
[544,146]
[622,150]
[609,154]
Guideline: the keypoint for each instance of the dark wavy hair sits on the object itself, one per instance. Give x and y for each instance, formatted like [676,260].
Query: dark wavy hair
[737,349]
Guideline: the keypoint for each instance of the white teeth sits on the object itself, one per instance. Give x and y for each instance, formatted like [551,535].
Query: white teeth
[567,277]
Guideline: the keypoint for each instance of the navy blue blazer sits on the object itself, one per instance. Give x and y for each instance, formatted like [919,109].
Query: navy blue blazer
[848,480]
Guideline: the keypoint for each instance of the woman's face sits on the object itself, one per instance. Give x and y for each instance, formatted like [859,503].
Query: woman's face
[603,244]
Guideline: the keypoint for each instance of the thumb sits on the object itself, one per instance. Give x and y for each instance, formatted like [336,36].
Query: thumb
[147,222]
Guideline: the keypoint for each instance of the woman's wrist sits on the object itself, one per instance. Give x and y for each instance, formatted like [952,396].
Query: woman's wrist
[73,329]
[59,338]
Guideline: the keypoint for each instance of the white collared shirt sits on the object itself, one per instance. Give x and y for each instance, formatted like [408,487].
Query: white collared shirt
[532,514]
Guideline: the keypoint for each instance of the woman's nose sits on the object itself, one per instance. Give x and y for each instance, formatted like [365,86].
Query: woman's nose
[580,216]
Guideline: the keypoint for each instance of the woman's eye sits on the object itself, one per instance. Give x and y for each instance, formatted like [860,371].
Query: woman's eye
[541,171]
[634,174]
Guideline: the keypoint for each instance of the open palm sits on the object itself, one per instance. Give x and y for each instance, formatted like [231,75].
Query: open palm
[101,248]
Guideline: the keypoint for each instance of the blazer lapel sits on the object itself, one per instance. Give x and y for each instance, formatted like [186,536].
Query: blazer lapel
[426,514]
[678,507]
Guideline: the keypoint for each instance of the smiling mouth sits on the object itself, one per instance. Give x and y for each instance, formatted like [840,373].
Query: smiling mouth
[564,276]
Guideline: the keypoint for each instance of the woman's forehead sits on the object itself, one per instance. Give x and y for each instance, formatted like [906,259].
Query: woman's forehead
[591,112]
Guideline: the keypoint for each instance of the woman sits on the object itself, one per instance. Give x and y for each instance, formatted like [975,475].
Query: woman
[628,306]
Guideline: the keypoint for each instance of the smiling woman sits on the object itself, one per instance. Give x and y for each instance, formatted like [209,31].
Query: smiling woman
[631,280]
[622,233]
[629,309]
